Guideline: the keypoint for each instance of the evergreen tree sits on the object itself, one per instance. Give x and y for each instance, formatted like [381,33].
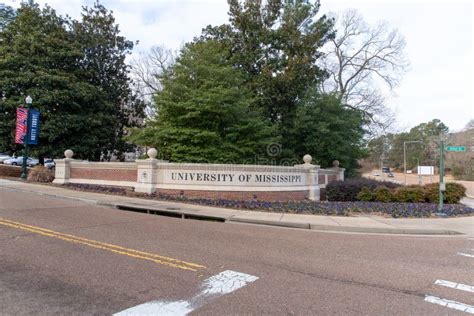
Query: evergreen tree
[424,153]
[277,46]
[328,131]
[7,14]
[204,111]
[103,64]
[81,88]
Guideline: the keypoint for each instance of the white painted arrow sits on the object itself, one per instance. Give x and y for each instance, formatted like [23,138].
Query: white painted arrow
[465,255]
[454,285]
[220,284]
[450,304]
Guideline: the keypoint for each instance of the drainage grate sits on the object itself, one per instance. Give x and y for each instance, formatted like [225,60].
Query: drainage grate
[170,212]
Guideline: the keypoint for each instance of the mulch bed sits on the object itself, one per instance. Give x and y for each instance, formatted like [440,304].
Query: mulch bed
[395,210]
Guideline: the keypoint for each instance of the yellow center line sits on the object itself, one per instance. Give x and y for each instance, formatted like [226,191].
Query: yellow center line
[105,246]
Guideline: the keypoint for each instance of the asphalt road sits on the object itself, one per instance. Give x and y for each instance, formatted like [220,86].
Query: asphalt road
[59,256]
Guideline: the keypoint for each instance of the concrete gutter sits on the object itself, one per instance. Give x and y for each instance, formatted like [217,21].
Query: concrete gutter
[187,214]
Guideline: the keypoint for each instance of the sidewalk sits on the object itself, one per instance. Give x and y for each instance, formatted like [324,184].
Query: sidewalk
[360,224]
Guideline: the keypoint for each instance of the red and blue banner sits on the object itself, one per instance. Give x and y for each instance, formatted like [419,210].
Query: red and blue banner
[21,118]
[23,134]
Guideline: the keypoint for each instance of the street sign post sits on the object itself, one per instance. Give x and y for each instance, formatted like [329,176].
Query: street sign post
[442,184]
[455,148]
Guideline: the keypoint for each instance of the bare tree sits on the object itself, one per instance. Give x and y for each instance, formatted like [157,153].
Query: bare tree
[362,59]
[469,125]
[146,70]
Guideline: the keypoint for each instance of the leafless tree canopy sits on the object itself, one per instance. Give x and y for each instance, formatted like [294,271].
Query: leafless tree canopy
[469,125]
[146,70]
[360,60]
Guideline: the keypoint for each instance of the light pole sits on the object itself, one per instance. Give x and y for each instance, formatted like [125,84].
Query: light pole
[28,101]
[405,156]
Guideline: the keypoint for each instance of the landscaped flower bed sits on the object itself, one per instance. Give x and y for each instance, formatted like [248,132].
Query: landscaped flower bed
[395,210]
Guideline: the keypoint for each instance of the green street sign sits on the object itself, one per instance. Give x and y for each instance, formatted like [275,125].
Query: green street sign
[455,148]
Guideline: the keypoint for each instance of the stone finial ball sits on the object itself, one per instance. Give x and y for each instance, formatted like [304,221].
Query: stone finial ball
[307,159]
[152,153]
[68,153]
[335,163]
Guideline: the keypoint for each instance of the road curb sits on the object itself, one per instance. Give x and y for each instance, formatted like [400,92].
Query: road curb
[380,230]
[185,214]
[270,223]
[55,195]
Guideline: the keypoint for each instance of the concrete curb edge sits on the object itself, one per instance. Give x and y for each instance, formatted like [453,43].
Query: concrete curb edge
[196,215]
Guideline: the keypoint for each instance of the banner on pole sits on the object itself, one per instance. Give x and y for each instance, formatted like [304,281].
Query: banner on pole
[33,127]
[21,118]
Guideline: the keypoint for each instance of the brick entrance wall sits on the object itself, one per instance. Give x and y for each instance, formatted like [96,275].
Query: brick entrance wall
[238,182]
[239,195]
[105,174]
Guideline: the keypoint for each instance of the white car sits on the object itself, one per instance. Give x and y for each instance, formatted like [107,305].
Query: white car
[49,163]
[31,162]
[4,157]
[18,161]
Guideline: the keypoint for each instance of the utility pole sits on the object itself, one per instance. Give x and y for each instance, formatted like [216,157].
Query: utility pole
[405,156]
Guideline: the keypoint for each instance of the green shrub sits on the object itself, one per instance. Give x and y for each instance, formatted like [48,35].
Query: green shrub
[383,194]
[40,174]
[453,194]
[347,190]
[365,195]
[410,194]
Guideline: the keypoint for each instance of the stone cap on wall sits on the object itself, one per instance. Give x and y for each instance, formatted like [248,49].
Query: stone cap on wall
[232,167]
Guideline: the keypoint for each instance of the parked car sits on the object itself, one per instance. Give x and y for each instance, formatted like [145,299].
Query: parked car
[4,157]
[17,161]
[385,169]
[31,162]
[390,175]
[49,163]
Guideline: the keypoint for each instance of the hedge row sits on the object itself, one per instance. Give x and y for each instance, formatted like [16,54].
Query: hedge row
[358,191]
[347,190]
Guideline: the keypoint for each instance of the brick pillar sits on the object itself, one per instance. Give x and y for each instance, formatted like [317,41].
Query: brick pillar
[340,174]
[146,173]
[339,171]
[62,170]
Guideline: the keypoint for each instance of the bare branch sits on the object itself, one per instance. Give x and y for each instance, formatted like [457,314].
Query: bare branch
[362,58]
[146,71]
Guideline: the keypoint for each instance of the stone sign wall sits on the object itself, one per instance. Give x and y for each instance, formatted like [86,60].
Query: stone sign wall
[228,181]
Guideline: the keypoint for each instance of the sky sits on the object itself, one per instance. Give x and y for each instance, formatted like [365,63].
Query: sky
[439,36]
